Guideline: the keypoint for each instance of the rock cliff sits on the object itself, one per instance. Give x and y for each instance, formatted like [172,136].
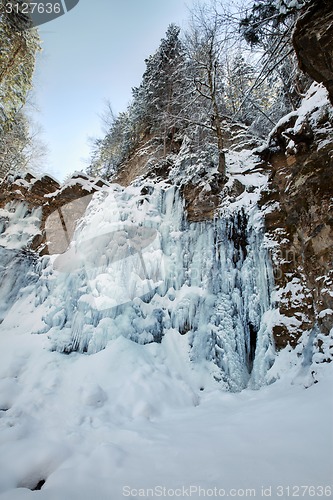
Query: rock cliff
[299,218]
[47,194]
[312,40]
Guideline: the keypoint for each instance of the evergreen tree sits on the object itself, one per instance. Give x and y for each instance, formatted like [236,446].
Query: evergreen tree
[108,153]
[18,49]
[154,112]
[240,76]
[17,63]
[12,146]
[158,100]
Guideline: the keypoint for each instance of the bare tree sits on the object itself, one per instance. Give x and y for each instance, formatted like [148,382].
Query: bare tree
[21,147]
[207,40]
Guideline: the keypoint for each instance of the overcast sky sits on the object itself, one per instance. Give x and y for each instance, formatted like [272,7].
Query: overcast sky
[93,53]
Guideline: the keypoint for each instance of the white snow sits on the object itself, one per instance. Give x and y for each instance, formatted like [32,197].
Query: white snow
[325,312]
[18,225]
[286,5]
[313,108]
[132,417]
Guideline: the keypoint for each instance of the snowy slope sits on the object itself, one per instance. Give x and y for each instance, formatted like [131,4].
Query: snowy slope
[125,417]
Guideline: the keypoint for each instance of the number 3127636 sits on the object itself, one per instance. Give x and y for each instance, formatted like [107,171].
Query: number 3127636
[33,7]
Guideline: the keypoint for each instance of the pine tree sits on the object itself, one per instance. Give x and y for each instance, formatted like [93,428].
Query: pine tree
[19,46]
[240,75]
[17,63]
[157,101]
[12,145]
[110,152]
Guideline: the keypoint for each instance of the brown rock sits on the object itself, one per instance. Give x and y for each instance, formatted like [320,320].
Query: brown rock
[301,194]
[55,201]
[313,42]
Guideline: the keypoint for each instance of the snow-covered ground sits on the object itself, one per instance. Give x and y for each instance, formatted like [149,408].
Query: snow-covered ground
[130,420]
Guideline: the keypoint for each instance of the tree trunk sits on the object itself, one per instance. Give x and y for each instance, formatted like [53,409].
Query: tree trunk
[10,63]
[220,145]
[217,121]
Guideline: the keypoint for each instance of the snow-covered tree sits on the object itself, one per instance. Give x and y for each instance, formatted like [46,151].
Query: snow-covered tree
[268,26]
[17,63]
[108,153]
[19,46]
[21,147]
[154,111]
[158,100]
[207,43]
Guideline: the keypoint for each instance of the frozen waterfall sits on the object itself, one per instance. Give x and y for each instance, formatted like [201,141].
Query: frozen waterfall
[136,268]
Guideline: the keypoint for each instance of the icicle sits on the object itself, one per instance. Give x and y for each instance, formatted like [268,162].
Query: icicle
[77,331]
[137,268]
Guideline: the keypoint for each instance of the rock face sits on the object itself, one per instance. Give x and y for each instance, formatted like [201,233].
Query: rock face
[46,193]
[299,218]
[313,42]
[175,162]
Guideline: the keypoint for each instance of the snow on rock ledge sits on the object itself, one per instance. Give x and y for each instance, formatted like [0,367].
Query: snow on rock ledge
[43,195]
[299,220]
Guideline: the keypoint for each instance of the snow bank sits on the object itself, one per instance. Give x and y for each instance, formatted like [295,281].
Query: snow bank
[128,418]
